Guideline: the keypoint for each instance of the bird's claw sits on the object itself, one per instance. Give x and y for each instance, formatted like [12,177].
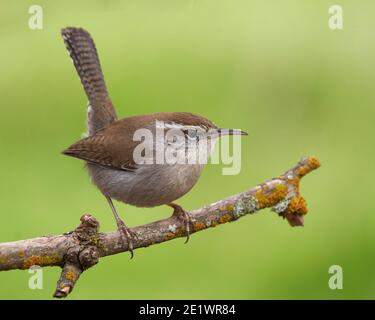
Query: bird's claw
[127,237]
[185,217]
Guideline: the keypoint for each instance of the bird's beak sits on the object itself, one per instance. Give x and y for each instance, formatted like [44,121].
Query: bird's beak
[231,132]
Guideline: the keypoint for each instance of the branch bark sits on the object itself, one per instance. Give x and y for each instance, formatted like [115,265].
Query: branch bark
[80,249]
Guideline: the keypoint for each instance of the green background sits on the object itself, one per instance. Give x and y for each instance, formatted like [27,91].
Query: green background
[272,68]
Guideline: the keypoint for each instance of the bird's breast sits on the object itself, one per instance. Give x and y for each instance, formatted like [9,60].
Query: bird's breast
[149,185]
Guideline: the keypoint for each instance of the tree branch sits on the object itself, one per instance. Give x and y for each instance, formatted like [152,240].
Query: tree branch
[79,250]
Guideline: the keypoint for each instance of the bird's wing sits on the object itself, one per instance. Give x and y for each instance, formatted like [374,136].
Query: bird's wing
[114,145]
[82,50]
[111,147]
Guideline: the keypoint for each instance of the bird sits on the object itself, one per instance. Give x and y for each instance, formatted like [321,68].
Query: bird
[109,147]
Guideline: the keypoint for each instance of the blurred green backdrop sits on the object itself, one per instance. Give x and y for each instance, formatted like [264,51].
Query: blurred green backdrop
[272,68]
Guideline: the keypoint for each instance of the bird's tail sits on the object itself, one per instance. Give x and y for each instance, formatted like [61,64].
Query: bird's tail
[82,50]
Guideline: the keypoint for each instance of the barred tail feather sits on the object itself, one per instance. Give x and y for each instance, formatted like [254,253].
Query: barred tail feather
[82,50]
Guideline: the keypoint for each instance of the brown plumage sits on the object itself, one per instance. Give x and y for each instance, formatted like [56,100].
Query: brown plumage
[113,145]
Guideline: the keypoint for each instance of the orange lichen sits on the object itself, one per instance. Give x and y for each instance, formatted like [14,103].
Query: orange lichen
[71,276]
[225,218]
[41,261]
[229,207]
[32,261]
[303,170]
[281,189]
[199,226]
[314,162]
[311,164]
[267,197]
[262,199]
[297,205]
[169,236]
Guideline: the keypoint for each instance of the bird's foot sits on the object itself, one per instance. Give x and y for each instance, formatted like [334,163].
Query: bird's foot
[184,216]
[127,236]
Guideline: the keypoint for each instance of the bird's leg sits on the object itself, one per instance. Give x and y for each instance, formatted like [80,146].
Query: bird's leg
[183,216]
[122,228]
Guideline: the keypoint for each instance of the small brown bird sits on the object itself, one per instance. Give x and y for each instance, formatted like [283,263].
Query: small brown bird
[110,146]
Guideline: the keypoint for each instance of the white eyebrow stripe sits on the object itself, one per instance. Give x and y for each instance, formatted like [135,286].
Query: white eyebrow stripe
[173,125]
